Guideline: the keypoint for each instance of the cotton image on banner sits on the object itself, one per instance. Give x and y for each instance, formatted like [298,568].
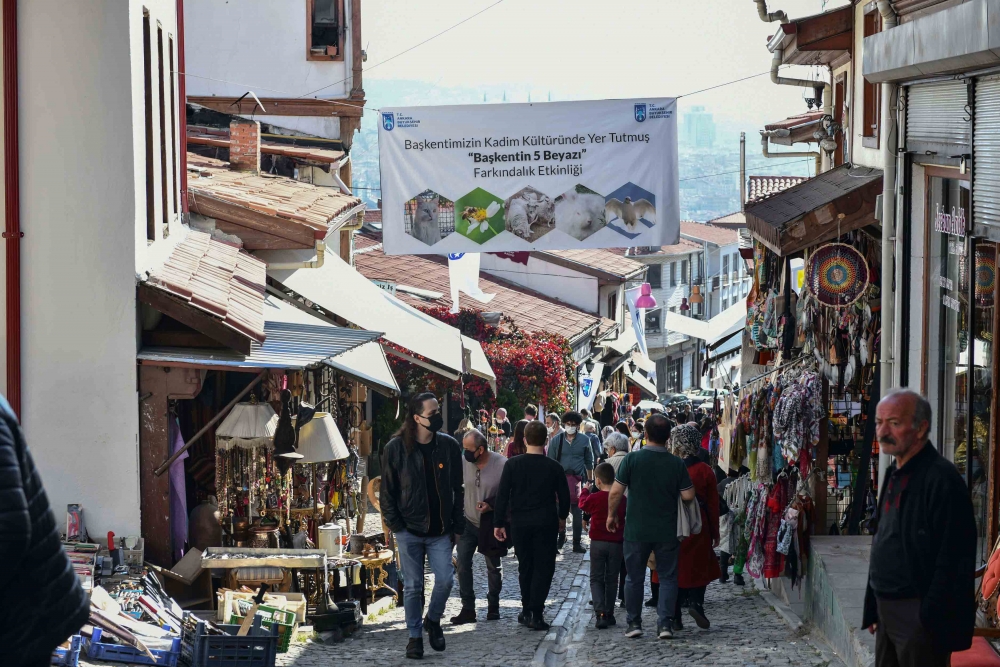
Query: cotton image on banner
[517,177]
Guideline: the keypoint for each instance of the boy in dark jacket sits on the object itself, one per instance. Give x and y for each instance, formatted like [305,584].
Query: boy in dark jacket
[605,546]
[46,601]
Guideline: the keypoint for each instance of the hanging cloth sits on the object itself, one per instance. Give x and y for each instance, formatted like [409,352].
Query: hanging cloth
[178,492]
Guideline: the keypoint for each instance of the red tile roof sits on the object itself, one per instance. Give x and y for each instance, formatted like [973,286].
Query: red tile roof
[682,247]
[795,121]
[217,278]
[702,231]
[606,260]
[279,197]
[373,215]
[529,310]
[730,220]
[219,137]
[761,187]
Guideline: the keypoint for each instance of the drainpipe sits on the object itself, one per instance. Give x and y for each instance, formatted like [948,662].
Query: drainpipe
[764,134]
[312,264]
[12,210]
[182,109]
[743,170]
[889,144]
[772,16]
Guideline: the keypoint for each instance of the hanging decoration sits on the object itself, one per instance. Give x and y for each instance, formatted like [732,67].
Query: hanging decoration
[986,274]
[837,274]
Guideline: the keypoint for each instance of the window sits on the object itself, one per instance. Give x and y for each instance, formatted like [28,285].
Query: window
[653,322]
[725,265]
[736,263]
[613,306]
[684,272]
[673,274]
[654,275]
[725,301]
[839,88]
[871,93]
[325,29]
[173,125]
[164,182]
[147,61]
[661,375]
[674,369]
[700,276]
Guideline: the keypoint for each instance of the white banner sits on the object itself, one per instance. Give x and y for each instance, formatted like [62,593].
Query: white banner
[516,177]
[590,384]
[638,316]
[463,272]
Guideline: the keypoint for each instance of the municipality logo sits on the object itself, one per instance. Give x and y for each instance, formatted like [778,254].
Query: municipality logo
[587,384]
[389,121]
[640,112]
[455,256]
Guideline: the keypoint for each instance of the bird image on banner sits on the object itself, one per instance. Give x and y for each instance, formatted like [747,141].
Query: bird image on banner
[630,212]
[463,272]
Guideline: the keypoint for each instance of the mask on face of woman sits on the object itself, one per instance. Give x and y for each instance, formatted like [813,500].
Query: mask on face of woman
[635,434]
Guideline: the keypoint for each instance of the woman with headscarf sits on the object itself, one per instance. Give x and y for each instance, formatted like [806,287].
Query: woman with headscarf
[697,566]
[516,445]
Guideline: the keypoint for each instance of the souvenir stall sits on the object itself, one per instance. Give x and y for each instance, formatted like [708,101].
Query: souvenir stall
[803,422]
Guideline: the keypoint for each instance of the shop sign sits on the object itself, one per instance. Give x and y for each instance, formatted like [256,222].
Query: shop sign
[949,223]
[522,177]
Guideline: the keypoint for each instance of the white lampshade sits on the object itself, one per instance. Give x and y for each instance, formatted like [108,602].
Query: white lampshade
[320,440]
[247,425]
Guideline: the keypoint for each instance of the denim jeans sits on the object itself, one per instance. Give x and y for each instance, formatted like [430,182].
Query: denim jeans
[467,544]
[636,555]
[412,550]
[605,564]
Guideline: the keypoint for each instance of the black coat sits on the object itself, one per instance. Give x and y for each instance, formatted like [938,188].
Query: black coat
[939,532]
[403,495]
[43,600]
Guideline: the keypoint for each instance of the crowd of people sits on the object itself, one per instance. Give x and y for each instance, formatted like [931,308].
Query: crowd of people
[624,484]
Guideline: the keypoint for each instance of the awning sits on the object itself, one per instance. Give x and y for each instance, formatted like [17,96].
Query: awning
[818,210]
[730,320]
[639,380]
[290,344]
[340,290]
[624,343]
[477,363]
[643,362]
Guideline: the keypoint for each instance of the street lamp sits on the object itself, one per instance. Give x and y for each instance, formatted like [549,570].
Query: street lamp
[631,365]
[589,365]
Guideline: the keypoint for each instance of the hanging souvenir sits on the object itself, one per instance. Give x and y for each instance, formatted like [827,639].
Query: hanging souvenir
[986,274]
[837,274]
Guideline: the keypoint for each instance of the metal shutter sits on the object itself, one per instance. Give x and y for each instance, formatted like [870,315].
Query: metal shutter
[986,166]
[936,118]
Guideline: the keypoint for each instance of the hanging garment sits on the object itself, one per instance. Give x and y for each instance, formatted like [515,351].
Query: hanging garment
[178,492]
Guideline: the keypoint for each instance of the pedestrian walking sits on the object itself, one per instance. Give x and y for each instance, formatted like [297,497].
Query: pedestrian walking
[481,473]
[590,430]
[697,566]
[574,452]
[655,479]
[617,446]
[534,494]
[423,505]
[46,603]
[920,599]
[516,446]
[553,427]
[605,545]
[530,412]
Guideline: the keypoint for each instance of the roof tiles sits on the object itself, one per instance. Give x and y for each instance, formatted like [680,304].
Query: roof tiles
[219,137]
[604,259]
[761,187]
[702,231]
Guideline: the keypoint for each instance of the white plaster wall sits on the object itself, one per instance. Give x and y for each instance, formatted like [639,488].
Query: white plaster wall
[868,157]
[258,45]
[556,282]
[82,201]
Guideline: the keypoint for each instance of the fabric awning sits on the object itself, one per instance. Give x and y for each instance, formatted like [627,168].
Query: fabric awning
[640,380]
[339,289]
[290,343]
[730,320]
[477,363]
[624,343]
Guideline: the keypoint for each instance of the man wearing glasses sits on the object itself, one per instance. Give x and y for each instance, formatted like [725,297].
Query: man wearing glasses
[481,471]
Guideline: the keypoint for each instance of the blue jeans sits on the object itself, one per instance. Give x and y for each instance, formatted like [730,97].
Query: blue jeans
[636,555]
[412,550]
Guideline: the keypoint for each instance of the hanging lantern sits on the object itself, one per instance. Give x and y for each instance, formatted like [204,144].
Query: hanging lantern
[645,299]
[684,304]
[696,296]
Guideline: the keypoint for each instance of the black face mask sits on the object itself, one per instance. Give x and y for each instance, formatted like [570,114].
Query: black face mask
[470,456]
[436,422]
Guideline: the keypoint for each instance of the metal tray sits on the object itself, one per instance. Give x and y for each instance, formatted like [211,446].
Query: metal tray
[250,557]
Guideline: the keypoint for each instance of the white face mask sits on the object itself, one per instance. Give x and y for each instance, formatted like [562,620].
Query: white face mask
[635,434]
[550,429]
[570,430]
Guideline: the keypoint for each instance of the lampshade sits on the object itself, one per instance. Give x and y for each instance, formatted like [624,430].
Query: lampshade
[684,304]
[320,440]
[696,296]
[645,299]
[247,425]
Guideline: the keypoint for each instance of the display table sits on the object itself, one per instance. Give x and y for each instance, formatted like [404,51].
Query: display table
[290,562]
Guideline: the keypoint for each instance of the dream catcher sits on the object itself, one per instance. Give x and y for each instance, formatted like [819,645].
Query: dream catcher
[837,274]
[986,274]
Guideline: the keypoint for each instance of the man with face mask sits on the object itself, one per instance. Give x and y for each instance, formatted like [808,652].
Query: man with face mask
[481,471]
[574,452]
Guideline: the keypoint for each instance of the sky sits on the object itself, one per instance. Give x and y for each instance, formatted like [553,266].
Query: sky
[583,49]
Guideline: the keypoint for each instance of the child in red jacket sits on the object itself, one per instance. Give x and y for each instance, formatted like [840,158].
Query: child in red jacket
[605,547]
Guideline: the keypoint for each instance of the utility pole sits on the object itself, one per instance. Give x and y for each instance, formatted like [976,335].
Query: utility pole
[743,170]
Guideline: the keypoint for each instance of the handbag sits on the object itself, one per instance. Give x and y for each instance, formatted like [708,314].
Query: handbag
[688,518]
[487,543]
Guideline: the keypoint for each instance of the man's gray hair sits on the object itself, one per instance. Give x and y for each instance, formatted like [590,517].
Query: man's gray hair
[589,427]
[921,406]
[616,441]
[477,437]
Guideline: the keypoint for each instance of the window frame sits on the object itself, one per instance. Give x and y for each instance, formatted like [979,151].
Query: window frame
[871,93]
[310,5]
[684,271]
[673,274]
[654,275]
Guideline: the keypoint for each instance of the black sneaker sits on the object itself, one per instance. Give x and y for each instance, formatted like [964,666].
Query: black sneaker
[611,619]
[664,632]
[537,622]
[676,624]
[493,612]
[698,614]
[561,542]
[652,602]
[415,648]
[523,617]
[467,615]
[738,580]
[434,634]
[633,630]
[579,549]
[601,622]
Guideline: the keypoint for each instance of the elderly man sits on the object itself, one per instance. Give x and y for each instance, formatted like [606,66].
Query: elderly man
[920,601]
[481,471]
[506,428]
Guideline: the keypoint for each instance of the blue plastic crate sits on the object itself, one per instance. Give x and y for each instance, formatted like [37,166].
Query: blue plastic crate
[120,653]
[259,648]
[68,657]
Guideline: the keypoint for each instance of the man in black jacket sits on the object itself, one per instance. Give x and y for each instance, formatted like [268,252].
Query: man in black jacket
[920,602]
[422,502]
[47,604]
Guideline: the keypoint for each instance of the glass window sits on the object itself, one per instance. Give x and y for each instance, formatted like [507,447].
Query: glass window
[725,264]
[673,274]
[653,321]
[684,272]
[654,274]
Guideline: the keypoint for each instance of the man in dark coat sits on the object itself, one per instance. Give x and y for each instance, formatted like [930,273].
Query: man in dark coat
[45,601]
[920,601]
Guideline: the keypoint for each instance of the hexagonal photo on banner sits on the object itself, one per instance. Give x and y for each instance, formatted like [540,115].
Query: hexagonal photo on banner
[429,217]
[529,214]
[630,210]
[480,216]
[579,212]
